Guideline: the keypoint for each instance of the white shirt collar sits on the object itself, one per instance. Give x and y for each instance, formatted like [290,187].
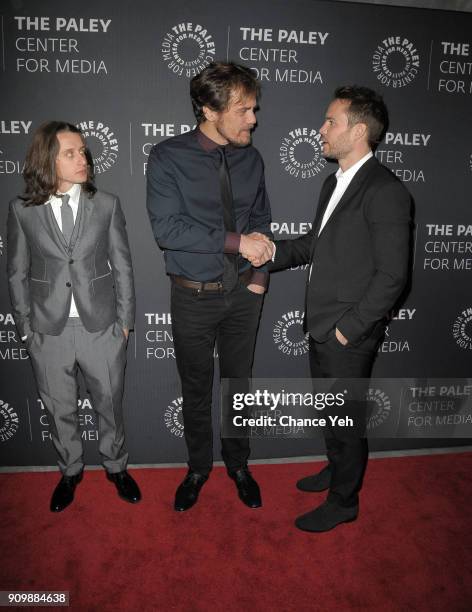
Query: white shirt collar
[74,193]
[350,172]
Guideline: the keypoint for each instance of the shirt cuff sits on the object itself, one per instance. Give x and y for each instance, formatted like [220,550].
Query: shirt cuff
[259,278]
[232,241]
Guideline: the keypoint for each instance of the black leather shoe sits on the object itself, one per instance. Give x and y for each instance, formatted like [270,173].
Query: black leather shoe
[126,486]
[248,489]
[326,517]
[317,482]
[64,492]
[187,492]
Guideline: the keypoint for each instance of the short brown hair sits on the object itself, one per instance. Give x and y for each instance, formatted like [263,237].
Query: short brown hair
[366,106]
[214,86]
[40,164]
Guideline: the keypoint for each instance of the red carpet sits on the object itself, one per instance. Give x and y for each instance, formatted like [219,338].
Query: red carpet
[410,549]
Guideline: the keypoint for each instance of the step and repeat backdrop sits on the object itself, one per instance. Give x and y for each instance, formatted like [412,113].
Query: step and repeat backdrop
[121,72]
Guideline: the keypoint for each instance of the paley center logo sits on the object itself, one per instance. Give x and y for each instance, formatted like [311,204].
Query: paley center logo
[396,61]
[382,407]
[9,421]
[301,154]
[102,143]
[288,335]
[173,417]
[187,49]
[462,329]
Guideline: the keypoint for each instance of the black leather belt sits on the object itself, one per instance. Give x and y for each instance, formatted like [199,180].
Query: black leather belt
[215,286]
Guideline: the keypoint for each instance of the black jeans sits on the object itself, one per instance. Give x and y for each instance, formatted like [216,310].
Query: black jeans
[346,448]
[198,320]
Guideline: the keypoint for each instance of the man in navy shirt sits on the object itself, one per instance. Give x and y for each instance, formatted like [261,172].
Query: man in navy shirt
[205,196]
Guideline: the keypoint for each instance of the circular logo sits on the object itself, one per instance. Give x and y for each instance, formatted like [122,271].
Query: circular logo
[300,153]
[173,418]
[381,407]
[102,144]
[187,49]
[288,335]
[9,422]
[462,329]
[395,61]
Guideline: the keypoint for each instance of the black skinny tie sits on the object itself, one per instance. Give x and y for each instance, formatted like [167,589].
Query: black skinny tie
[230,273]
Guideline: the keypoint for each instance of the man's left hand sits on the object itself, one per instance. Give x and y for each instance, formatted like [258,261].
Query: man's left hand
[126,332]
[342,339]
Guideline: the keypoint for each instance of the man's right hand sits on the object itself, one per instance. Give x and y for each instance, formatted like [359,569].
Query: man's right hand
[257,248]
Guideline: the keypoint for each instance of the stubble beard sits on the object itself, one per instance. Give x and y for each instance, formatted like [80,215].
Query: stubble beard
[235,143]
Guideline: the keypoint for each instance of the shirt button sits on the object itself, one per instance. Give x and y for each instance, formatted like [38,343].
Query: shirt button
[71,261]
[68,284]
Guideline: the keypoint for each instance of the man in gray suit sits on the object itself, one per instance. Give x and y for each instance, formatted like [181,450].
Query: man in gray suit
[72,292]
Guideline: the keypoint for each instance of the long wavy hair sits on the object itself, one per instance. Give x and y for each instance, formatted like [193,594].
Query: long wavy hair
[40,164]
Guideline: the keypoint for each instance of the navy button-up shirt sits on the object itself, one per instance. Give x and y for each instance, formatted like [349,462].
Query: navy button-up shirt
[185,208]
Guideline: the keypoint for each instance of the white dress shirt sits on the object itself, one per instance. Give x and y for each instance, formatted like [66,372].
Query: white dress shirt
[56,203]
[343,181]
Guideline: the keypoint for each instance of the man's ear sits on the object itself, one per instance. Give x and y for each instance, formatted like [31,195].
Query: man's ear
[360,131]
[209,114]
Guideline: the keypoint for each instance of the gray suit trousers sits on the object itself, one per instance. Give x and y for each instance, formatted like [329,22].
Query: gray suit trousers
[101,357]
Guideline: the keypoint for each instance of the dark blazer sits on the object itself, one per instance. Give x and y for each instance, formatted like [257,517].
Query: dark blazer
[360,260]
[43,271]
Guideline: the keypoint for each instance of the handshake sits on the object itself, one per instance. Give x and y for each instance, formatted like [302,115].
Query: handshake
[256,248]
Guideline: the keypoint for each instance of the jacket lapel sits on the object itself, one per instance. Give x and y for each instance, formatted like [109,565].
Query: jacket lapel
[325,196]
[353,187]
[78,223]
[46,217]
[84,214]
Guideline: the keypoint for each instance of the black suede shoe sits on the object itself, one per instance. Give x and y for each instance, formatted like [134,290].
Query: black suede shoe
[326,517]
[248,489]
[126,486]
[64,492]
[317,482]
[187,492]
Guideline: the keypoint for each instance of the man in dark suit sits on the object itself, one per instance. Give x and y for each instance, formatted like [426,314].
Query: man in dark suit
[358,251]
[71,287]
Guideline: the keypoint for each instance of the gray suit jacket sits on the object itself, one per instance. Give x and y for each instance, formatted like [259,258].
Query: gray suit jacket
[44,272]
